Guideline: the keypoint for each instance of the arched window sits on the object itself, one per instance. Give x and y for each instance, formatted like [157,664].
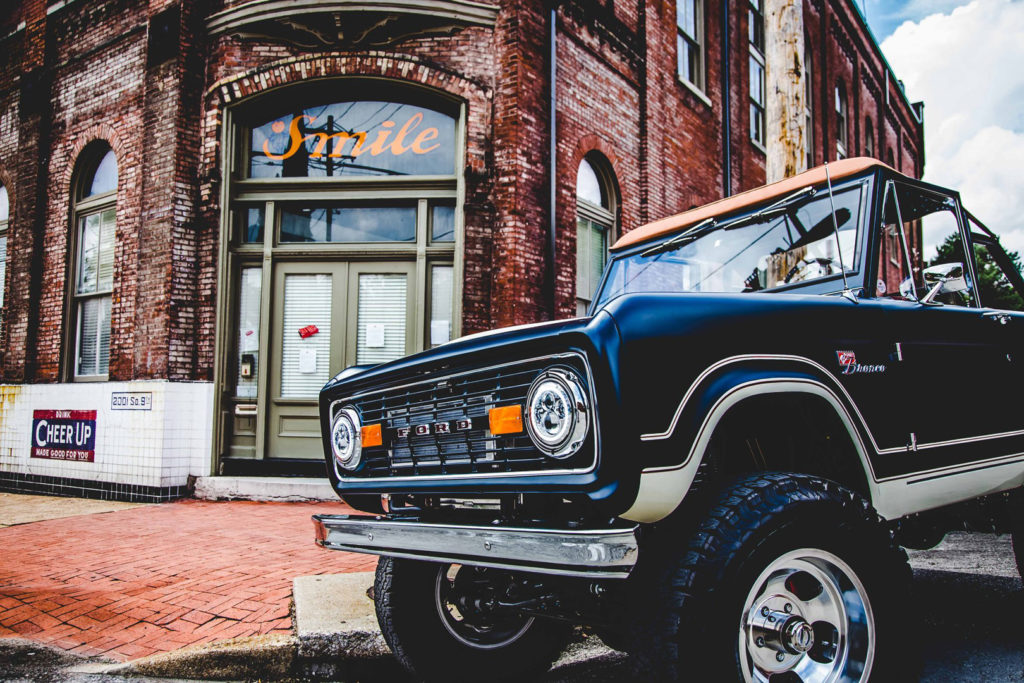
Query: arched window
[841,122]
[5,216]
[869,138]
[92,282]
[595,226]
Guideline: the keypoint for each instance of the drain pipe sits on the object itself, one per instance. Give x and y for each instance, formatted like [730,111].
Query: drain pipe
[726,105]
[549,279]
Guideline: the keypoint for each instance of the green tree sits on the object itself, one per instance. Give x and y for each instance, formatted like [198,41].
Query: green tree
[996,290]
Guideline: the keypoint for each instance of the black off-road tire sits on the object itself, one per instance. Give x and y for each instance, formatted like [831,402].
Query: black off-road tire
[695,578]
[407,611]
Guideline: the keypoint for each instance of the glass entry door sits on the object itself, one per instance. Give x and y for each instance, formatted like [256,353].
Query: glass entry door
[325,317]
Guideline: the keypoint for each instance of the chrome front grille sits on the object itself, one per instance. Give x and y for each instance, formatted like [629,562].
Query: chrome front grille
[440,426]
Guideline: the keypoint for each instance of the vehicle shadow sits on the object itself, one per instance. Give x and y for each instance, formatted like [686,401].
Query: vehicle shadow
[970,626]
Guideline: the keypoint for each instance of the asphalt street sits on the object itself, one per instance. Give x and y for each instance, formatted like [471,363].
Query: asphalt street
[966,591]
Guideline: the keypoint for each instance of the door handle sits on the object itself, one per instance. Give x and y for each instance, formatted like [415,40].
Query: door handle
[998,316]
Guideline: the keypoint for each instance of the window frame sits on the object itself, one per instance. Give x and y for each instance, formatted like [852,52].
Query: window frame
[842,122]
[962,218]
[1002,261]
[604,217]
[980,234]
[755,11]
[869,137]
[82,207]
[697,42]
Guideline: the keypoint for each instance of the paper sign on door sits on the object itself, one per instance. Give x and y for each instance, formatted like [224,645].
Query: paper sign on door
[375,335]
[307,361]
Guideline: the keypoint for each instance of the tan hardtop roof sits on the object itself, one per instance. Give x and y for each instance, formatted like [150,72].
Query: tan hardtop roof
[837,170]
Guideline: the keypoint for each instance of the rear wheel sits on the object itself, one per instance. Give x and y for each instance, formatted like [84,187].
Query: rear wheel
[444,622]
[786,579]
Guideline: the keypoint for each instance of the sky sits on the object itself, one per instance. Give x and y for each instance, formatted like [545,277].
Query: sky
[965,60]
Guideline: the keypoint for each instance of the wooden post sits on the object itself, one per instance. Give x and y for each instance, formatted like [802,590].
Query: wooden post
[786,132]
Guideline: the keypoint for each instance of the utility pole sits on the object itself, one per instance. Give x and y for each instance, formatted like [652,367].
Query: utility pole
[786,132]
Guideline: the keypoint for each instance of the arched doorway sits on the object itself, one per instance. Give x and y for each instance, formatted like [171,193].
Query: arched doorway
[342,237]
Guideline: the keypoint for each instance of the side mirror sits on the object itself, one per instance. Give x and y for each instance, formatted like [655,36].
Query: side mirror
[945,278]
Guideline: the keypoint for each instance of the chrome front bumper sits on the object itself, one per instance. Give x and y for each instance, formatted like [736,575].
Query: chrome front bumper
[599,553]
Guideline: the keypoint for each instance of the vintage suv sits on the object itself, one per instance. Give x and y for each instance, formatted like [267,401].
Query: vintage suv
[717,468]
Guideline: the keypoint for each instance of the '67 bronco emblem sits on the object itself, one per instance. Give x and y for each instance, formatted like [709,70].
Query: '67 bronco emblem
[848,362]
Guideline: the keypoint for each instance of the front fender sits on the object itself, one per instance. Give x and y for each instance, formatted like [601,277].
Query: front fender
[681,446]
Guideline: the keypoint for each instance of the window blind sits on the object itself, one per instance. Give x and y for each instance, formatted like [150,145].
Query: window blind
[305,362]
[380,334]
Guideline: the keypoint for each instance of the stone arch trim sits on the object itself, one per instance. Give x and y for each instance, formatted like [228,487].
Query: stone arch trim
[595,143]
[98,133]
[6,179]
[388,65]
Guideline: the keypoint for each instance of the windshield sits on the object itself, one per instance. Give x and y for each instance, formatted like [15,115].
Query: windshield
[797,246]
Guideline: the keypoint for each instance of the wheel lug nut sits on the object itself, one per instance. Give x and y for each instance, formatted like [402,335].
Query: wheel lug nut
[788,608]
[779,656]
[759,642]
[765,611]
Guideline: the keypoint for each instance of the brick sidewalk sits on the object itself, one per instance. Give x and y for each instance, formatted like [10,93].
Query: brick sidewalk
[136,582]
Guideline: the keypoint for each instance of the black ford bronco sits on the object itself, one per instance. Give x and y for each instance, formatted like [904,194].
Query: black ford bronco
[717,467]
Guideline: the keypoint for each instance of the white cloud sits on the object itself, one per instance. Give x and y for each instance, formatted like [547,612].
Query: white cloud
[886,15]
[965,65]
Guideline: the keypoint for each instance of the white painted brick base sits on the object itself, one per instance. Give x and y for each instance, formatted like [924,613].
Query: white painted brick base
[158,447]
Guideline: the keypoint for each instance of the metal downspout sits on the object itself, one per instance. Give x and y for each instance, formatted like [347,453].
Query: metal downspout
[549,283]
[726,105]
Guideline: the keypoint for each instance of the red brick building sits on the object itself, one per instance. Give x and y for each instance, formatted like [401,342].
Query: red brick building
[209,208]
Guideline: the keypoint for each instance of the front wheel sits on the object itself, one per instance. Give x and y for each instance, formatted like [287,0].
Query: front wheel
[785,579]
[443,622]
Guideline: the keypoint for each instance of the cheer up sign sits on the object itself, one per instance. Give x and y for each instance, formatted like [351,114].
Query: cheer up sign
[64,435]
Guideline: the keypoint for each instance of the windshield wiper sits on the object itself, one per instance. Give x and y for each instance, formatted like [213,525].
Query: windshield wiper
[784,205]
[705,226]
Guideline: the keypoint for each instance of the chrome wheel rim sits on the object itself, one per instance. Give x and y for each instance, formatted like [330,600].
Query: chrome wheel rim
[807,619]
[465,599]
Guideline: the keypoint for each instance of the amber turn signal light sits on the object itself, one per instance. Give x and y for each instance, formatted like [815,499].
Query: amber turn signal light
[506,420]
[371,436]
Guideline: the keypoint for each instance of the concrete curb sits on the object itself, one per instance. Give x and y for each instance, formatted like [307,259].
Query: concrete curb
[275,489]
[271,656]
[336,637]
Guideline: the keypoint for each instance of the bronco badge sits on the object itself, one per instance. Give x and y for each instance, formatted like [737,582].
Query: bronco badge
[848,362]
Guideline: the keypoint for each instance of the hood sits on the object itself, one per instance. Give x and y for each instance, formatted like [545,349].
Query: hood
[480,348]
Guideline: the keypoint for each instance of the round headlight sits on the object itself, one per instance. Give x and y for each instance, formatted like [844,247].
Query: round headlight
[345,439]
[557,413]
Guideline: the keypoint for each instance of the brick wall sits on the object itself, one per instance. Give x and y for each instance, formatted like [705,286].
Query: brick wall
[618,97]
